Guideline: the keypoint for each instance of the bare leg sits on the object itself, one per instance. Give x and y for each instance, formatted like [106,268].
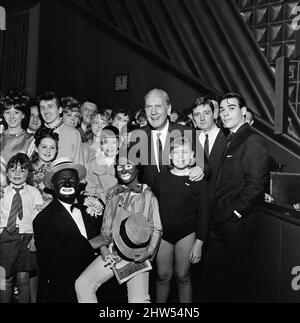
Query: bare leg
[164,259]
[138,289]
[33,288]
[23,287]
[182,268]
[6,294]
[91,279]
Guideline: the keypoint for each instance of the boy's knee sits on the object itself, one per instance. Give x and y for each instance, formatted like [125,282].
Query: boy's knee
[164,276]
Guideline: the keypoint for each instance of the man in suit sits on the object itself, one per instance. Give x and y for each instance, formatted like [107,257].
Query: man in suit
[157,136]
[211,137]
[63,234]
[240,186]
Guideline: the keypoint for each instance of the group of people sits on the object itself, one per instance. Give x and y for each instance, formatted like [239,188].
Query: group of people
[85,190]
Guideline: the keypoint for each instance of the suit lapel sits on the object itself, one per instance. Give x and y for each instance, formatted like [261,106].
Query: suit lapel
[64,219]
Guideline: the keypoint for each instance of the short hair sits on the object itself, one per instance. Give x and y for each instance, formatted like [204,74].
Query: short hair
[90,102]
[177,112]
[48,96]
[232,95]
[45,133]
[71,106]
[179,142]
[161,93]
[109,132]
[19,159]
[213,96]
[18,100]
[203,101]
[122,110]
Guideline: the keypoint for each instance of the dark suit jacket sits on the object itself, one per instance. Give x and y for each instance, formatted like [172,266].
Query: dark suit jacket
[63,253]
[214,159]
[243,175]
[150,170]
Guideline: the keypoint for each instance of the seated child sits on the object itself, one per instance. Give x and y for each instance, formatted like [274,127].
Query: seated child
[131,208]
[184,211]
[101,168]
[19,205]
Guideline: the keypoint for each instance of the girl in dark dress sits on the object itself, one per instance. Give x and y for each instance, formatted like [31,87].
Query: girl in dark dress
[184,211]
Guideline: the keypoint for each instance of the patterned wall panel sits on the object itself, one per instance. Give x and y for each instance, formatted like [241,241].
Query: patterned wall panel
[271,24]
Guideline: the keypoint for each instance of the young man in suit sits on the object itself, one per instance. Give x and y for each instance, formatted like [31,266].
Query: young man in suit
[63,234]
[240,186]
[211,137]
[157,136]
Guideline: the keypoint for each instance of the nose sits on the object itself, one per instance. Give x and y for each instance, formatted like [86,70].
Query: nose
[202,117]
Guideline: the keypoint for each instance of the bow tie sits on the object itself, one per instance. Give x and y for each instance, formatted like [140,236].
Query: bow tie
[134,189]
[74,205]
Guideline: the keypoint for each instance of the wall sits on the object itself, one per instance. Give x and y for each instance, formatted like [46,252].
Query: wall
[78,59]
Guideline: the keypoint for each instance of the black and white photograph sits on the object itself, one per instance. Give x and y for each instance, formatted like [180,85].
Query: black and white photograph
[163,135]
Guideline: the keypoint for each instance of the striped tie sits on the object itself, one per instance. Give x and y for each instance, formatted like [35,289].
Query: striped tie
[15,210]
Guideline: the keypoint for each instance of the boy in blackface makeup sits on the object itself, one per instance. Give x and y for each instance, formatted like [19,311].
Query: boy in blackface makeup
[64,232]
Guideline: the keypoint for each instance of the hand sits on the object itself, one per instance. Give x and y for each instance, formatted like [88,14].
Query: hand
[31,245]
[142,256]
[104,252]
[196,252]
[196,174]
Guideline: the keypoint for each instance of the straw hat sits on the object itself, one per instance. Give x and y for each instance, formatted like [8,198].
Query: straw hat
[60,164]
[131,233]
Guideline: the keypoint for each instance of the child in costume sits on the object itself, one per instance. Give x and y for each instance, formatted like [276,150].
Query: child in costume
[184,210]
[131,230]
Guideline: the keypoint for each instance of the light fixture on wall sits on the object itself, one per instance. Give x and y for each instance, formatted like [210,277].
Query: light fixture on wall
[121,82]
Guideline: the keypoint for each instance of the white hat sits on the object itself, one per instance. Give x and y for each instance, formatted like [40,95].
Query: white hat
[60,164]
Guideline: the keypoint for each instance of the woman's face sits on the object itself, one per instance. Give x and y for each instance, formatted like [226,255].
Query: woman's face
[126,171]
[13,117]
[110,146]
[71,118]
[47,150]
[98,124]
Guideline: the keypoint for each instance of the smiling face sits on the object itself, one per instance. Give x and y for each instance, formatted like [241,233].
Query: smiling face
[232,114]
[50,111]
[65,185]
[126,171]
[47,150]
[13,118]
[110,146]
[17,175]
[181,156]
[157,110]
[71,118]
[98,123]
[203,117]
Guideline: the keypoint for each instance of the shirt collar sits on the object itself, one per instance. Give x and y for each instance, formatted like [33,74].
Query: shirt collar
[163,131]
[11,187]
[237,128]
[211,131]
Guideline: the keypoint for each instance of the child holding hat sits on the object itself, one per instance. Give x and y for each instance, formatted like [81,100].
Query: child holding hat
[131,230]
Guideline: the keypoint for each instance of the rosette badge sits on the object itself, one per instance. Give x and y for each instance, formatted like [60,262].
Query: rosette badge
[94,206]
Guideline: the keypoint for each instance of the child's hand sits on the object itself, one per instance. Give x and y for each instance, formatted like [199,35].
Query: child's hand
[196,252]
[196,174]
[142,256]
[104,252]
[31,245]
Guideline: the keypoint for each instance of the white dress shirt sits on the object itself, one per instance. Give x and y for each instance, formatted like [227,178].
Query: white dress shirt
[163,138]
[212,136]
[32,203]
[77,217]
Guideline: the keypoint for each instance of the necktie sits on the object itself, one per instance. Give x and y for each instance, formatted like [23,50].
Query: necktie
[159,150]
[16,210]
[74,205]
[206,146]
[229,137]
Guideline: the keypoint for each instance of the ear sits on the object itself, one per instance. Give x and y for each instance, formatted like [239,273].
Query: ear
[35,148]
[244,111]
[169,110]
[60,110]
